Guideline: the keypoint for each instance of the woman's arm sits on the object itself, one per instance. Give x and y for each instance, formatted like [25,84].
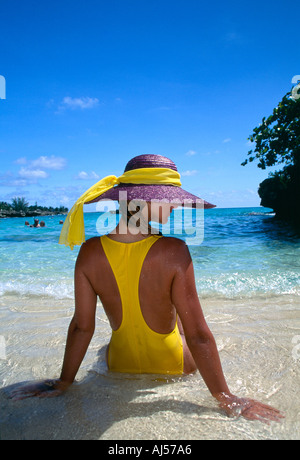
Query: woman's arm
[80,333]
[202,344]
[198,336]
[82,326]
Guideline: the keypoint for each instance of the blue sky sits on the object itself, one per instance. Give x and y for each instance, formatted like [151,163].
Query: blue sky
[90,84]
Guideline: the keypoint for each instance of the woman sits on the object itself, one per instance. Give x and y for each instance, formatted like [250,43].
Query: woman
[147,287]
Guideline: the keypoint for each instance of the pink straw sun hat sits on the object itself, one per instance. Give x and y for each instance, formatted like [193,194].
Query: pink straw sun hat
[150,192]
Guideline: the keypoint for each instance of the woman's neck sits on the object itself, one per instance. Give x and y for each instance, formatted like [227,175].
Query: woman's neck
[128,233]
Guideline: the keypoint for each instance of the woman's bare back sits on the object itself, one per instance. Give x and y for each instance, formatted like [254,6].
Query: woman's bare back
[155,286]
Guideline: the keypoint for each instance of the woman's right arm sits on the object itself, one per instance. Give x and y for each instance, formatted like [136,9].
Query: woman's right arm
[82,326]
[80,333]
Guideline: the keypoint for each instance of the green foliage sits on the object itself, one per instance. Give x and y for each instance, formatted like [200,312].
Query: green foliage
[4,206]
[277,139]
[19,204]
[60,209]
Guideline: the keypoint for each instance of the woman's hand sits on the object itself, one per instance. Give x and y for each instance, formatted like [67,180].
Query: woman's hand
[42,389]
[248,408]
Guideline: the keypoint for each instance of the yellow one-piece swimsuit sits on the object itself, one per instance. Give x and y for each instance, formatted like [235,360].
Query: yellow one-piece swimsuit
[134,347]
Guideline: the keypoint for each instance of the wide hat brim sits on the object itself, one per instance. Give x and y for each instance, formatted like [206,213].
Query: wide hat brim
[158,193]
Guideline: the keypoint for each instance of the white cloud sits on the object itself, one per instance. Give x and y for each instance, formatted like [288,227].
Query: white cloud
[87,176]
[52,162]
[228,139]
[79,103]
[32,173]
[57,196]
[192,172]
[9,181]
[233,198]
[190,153]
[82,175]
[21,161]
[43,162]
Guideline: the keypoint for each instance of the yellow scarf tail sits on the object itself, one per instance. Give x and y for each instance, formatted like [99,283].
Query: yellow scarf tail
[73,232]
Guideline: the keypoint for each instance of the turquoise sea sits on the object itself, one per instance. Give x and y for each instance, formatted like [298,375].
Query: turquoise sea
[247,269]
[244,252]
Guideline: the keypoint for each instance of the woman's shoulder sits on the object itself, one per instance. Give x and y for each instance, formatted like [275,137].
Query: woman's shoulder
[90,243]
[172,241]
[174,247]
[176,255]
[89,249]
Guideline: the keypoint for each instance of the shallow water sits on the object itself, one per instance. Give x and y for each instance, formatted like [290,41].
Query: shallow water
[248,283]
[244,252]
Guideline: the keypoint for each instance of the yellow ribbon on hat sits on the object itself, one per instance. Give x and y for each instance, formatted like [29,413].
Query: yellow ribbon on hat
[73,232]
